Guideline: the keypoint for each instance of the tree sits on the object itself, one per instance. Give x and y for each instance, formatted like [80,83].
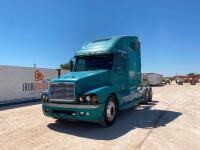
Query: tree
[65,66]
[191,74]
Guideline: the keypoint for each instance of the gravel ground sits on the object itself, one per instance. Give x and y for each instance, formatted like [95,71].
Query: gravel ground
[171,121]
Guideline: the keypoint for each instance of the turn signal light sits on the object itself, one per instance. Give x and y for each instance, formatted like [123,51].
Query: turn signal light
[94,98]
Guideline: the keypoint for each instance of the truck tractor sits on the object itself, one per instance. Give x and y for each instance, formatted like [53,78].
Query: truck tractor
[105,78]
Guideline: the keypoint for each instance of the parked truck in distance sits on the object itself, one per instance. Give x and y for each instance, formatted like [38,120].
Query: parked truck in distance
[105,78]
[186,79]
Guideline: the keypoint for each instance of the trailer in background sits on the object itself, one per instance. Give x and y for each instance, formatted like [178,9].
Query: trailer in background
[152,79]
[24,83]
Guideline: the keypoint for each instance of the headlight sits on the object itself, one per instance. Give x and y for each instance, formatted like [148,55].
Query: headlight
[81,99]
[44,97]
[91,98]
[88,98]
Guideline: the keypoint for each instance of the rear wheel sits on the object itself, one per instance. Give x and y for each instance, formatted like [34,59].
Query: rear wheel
[110,111]
[150,94]
[146,96]
[192,82]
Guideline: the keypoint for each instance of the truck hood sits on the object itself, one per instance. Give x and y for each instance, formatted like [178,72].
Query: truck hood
[87,80]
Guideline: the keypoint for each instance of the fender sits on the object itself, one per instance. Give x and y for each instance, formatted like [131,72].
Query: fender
[102,93]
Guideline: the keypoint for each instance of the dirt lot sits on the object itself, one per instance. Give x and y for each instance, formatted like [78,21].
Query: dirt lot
[171,121]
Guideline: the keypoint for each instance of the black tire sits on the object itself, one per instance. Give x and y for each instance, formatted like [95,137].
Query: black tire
[108,120]
[146,96]
[193,82]
[150,94]
[180,82]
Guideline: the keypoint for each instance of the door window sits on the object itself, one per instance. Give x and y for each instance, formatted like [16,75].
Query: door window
[121,62]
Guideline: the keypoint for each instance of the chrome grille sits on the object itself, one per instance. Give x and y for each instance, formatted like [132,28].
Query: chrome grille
[62,91]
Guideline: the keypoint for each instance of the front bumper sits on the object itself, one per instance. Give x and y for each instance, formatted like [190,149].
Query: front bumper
[73,111]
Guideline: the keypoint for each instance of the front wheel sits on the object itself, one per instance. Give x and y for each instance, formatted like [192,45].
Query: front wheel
[109,113]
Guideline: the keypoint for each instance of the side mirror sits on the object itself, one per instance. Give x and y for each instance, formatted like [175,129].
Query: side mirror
[71,64]
[59,73]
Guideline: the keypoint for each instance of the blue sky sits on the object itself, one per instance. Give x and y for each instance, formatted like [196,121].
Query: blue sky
[47,32]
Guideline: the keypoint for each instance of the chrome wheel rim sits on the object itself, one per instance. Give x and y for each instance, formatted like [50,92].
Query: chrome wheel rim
[111,110]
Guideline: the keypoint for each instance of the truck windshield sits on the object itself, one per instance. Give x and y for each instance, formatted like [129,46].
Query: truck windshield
[98,62]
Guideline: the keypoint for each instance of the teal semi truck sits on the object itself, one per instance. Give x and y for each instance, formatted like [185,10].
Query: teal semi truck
[105,77]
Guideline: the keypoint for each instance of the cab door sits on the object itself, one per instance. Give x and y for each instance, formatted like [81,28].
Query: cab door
[120,71]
